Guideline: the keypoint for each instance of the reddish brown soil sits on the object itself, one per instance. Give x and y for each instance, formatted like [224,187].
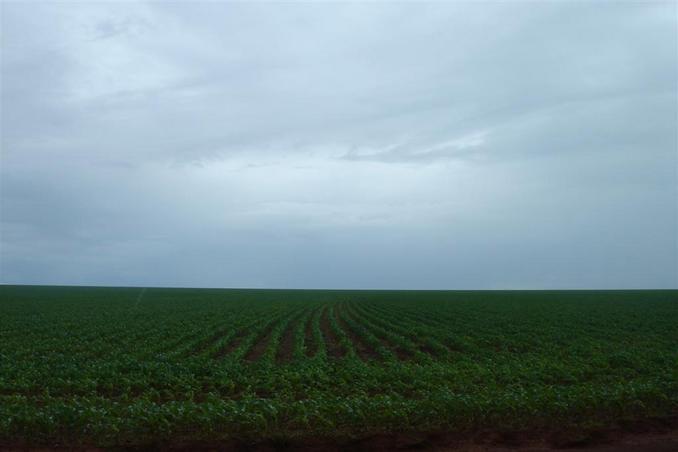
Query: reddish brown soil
[660,435]
[401,353]
[653,442]
[234,342]
[259,347]
[309,338]
[425,348]
[334,350]
[285,350]
[611,442]
[667,442]
[231,345]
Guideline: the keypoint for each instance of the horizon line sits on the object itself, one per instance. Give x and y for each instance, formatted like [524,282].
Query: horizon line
[555,289]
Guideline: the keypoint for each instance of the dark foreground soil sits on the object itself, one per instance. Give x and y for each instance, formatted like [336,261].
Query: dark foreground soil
[649,443]
[644,438]
[654,442]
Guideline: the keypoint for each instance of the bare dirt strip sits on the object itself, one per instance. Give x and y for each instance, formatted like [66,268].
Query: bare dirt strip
[334,349]
[235,341]
[652,440]
[285,350]
[231,345]
[259,347]
[309,338]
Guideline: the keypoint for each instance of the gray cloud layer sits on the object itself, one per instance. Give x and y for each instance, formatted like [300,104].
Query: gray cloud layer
[409,145]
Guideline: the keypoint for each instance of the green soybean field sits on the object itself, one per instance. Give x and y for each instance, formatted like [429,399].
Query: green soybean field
[106,367]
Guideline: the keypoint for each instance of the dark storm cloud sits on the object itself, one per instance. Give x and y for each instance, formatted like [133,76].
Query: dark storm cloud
[410,145]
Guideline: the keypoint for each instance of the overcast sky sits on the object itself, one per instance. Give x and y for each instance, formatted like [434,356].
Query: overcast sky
[401,145]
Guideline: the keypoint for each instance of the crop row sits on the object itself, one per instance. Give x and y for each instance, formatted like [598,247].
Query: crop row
[131,365]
